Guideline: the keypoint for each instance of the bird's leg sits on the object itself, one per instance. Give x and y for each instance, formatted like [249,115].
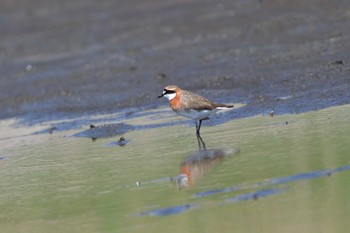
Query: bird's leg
[200,124]
[198,127]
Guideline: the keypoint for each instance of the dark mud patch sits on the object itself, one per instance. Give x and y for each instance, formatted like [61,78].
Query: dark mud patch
[111,130]
[103,131]
[103,58]
[102,125]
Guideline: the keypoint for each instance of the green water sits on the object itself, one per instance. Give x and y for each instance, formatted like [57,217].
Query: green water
[57,183]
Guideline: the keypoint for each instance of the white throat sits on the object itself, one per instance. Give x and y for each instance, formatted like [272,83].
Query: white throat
[170,96]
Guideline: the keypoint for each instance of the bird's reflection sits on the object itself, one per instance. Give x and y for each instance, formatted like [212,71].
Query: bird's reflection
[201,144]
[198,163]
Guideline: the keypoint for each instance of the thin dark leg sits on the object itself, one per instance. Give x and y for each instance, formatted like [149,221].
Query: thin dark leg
[198,127]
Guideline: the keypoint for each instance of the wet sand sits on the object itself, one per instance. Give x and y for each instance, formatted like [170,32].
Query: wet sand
[63,59]
[66,65]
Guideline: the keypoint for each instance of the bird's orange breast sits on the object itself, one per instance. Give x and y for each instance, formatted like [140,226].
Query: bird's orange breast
[175,103]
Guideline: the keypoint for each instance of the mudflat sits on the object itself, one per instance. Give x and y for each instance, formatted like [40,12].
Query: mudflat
[72,71]
[84,57]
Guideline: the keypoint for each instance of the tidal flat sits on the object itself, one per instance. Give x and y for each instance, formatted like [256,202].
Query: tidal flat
[285,173]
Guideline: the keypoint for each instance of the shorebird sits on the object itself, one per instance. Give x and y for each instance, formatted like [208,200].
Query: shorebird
[191,105]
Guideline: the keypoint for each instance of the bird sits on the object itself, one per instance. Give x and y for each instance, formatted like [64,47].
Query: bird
[191,105]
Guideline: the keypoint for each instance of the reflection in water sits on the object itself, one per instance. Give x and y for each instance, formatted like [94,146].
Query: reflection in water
[200,162]
[196,165]
[260,193]
[255,195]
[168,210]
[277,181]
[201,144]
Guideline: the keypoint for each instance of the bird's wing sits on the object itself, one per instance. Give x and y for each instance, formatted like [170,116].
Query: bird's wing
[191,100]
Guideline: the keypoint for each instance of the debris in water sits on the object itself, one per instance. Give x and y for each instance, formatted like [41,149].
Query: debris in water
[121,142]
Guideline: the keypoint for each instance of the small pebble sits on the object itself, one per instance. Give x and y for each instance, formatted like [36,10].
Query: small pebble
[52,129]
[122,141]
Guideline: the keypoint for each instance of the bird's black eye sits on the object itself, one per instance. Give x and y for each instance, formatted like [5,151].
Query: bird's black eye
[168,91]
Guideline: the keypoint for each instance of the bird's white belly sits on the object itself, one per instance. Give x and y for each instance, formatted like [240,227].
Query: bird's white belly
[196,115]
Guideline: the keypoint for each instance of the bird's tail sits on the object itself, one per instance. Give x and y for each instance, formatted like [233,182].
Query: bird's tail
[224,106]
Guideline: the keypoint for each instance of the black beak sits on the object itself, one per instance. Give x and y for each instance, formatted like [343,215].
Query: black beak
[166,92]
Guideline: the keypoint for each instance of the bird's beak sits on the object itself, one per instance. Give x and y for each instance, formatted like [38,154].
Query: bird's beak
[162,95]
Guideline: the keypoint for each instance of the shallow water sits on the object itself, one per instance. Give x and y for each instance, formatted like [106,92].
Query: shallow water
[285,173]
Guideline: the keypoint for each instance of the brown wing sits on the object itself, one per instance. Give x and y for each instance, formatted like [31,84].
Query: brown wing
[191,100]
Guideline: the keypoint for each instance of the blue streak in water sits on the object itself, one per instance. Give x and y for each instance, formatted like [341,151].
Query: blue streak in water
[168,210]
[255,195]
[275,181]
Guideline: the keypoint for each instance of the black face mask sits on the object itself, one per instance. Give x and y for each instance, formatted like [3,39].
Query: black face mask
[166,92]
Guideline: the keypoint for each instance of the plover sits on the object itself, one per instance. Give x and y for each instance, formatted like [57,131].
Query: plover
[191,105]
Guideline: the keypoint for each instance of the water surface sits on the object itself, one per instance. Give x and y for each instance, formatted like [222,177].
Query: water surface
[285,173]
